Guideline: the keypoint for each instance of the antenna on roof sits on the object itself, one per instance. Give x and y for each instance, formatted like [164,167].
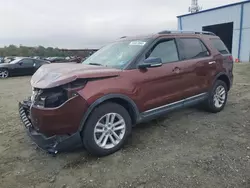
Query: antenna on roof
[194,7]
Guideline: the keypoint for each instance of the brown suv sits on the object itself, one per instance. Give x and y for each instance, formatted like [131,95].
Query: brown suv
[129,81]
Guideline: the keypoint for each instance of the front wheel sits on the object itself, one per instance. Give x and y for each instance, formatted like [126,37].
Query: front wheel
[217,97]
[4,73]
[107,129]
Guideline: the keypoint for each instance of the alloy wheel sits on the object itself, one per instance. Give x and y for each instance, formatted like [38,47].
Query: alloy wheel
[219,96]
[4,73]
[109,130]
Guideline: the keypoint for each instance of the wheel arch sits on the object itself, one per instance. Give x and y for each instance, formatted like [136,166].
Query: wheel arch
[123,100]
[224,77]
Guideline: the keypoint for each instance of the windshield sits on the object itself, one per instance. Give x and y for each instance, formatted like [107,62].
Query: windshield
[117,54]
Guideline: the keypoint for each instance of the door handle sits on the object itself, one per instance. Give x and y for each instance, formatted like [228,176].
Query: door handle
[212,62]
[176,70]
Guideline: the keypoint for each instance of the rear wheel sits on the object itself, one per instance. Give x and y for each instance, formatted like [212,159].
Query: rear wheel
[4,73]
[106,129]
[217,97]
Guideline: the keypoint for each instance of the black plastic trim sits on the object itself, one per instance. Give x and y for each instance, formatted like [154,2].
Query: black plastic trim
[154,113]
[223,74]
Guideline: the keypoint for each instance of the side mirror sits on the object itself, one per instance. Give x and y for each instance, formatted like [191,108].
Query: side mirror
[151,62]
[20,63]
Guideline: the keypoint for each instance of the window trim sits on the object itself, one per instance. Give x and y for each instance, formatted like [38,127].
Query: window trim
[182,54]
[161,40]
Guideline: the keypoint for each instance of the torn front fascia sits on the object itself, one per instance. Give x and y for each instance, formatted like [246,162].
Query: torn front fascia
[52,144]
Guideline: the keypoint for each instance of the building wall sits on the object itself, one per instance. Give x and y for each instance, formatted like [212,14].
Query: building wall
[245,40]
[219,16]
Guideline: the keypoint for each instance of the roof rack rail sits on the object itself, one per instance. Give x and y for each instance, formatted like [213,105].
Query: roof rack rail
[123,37]
[187,32]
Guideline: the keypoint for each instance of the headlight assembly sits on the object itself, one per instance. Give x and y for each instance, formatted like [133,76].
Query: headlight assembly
[54,97]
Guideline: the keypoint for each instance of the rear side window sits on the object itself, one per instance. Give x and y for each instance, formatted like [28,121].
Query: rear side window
[39,61]
[27,61]
[165,50]
[220,46]
[192,48]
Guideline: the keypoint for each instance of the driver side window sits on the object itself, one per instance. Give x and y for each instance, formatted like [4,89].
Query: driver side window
[166,50]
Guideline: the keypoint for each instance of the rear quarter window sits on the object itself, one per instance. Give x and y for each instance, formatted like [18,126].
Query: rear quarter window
[220,46]
[27,61]
[39,61]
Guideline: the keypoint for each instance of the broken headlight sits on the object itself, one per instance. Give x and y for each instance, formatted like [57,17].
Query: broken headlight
[51,98]
[54,97]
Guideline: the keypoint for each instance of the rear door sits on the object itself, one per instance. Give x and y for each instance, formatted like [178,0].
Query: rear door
[196,63]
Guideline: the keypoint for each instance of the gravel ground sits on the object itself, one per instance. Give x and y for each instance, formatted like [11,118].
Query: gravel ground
[187,148]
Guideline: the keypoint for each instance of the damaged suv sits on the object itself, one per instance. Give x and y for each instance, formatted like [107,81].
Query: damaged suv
[132,80]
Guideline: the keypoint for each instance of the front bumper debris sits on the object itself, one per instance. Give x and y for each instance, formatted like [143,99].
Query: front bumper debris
[53,144]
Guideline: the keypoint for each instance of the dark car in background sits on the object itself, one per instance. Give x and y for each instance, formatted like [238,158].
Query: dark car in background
[20,66]
[9,59]
[76,59]
[73,59]
[56,59]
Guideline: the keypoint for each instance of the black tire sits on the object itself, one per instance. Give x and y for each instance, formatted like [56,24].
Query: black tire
[88,132]
[6,70]
[209,103]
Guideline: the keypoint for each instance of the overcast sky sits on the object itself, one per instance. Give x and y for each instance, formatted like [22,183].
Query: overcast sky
[87,23]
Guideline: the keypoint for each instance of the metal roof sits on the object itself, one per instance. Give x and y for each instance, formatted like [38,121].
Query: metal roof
[225,6]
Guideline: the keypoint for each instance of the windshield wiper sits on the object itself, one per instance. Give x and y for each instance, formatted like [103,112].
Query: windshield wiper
[98,64]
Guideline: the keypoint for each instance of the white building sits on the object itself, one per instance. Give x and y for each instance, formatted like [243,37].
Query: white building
[230,22]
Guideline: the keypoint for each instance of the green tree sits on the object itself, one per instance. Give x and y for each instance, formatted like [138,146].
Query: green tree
[41,51]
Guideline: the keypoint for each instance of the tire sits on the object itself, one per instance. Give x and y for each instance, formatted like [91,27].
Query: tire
[216,104]
[4,73]
[92,132]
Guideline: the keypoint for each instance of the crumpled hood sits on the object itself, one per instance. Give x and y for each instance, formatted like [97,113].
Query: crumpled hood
[53,75]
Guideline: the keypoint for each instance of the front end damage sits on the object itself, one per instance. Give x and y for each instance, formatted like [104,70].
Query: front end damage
[51,144]
[52,117]
[53,114]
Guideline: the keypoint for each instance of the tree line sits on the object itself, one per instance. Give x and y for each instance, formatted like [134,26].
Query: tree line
[25,51]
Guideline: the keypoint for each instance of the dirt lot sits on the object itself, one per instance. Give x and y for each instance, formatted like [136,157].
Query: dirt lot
[188,148]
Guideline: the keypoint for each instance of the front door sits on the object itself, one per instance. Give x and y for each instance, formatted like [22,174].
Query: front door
[163,85]
[24,67]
